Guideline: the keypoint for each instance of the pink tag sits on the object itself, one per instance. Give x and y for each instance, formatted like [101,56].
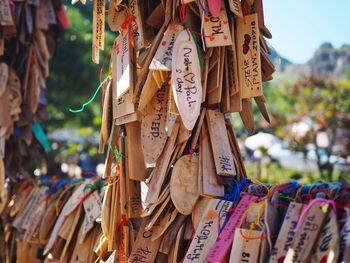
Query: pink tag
[222,245]
[62,17]
[214,7]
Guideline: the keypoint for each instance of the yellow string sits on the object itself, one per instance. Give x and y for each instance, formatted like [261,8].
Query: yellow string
[257,219]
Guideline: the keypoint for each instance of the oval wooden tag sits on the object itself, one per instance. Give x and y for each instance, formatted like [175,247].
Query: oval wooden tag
[4,71]
[183,184]
[186,79]
[153,134]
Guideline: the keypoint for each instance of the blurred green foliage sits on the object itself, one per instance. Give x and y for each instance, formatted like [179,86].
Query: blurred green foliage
[74,77]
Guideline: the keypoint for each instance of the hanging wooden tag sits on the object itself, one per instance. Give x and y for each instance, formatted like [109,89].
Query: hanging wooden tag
[247,115]
[123,105]
[245,250]
[4,72]
[216,28]
[162,60]
[135,158]
[144,249]
[98,22]
[159,172]
[183,184]
[199,210]
[236,8]
[137,26]
[2,46]
[135,116]
[41,16]
[306,236]
[5,13]
[248,54]
[170,235]
[219,250]
[165,220]
[186,77]
[327,248]
[92,207]
[153,133]
[220,144]
[344,247]
[121,66]
[207,230]
[210,182]
[95,53]
[51,13]
[116,17]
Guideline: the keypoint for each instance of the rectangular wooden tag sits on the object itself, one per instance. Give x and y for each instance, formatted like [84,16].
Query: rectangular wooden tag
[6,18]
[123,105]
[98,22]
[219,250]
[344,248]
[163,57]
[248,54]
[235,7]
[121,64]
[127,118]
[245,250]
[92,207]
[220,144]
[2,46]
[217,30]
[144,249]
[51,13]
[286,234]
[210,184]
[41,15]
[159,172]
[135,160]
[207,230]
[327,247]
[306,236]
[137,27]
[2,147]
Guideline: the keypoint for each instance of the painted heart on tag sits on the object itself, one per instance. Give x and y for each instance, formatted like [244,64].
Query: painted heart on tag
[214,7]
[163,43]
[212,38]
[225,22]
[225,37]
[206,19]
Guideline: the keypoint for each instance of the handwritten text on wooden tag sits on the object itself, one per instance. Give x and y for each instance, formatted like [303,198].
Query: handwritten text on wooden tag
[219,250]
[216,28]
[248,53]
[153,134]
[207,230]
[186,78]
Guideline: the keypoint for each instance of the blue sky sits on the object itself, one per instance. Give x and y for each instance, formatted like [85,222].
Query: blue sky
[299,27]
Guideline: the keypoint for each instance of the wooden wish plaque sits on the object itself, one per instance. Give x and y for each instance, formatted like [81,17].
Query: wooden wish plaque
[216,26]
[183,184]
[153,134]
[186,79]
[248,54]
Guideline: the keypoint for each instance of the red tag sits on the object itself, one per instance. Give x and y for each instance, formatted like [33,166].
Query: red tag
[62,17]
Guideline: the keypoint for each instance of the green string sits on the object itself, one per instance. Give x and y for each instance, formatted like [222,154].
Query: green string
[91,100]
[201,63]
